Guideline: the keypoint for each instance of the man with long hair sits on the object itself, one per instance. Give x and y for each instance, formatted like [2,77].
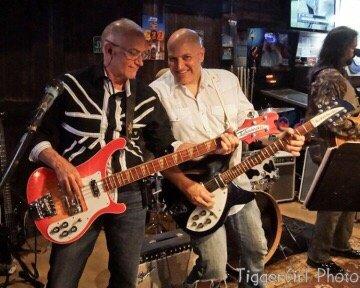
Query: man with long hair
[328,81]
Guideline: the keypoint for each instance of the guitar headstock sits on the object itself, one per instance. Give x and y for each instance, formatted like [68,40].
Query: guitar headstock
[257,128]
[340,116]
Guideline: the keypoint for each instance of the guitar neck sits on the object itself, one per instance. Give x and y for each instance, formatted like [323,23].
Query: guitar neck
[146,169]
[226,177]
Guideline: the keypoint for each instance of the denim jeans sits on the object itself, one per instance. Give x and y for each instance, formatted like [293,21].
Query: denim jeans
[246,229]
[332,230]
[124,236]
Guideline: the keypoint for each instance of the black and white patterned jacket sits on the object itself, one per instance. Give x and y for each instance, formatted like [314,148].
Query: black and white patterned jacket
[88,114]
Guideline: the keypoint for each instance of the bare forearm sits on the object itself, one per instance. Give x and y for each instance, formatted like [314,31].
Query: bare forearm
[178,178]
[51,158]
[196,192]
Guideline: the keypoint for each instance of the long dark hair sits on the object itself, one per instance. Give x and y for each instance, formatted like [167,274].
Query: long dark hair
[334,47]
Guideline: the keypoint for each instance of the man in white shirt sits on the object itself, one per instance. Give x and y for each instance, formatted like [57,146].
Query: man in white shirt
[202,104]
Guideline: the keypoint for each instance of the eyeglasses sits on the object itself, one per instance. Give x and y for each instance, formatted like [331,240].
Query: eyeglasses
[131,54]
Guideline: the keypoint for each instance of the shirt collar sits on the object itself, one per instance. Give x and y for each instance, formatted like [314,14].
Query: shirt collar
[106,78]
[207,79]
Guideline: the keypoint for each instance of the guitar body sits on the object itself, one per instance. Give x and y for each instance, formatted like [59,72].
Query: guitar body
[342,140]
[59,224]
[198,221]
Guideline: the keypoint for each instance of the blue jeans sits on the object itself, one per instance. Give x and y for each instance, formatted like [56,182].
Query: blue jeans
[124,237]
[246,229]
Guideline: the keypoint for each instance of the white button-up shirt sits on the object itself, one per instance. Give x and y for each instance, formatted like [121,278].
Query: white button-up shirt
[219,104]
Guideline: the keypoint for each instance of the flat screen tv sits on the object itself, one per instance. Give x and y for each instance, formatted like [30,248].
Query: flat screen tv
[308,47]
[316,15]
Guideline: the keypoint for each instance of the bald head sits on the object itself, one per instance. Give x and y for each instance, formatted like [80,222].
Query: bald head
[185,56]
[120,30]
[183,36]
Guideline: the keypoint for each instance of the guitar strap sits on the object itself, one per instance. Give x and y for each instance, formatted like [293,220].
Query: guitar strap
[130,107]
[129,119]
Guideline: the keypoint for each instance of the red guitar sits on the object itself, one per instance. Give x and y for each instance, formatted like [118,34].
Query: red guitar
[63,221]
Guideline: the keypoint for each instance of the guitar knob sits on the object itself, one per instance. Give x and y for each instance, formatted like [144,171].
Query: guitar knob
[195,217]
[200,226]
[207,221]
[64,224]
[55,230]
[193,224]
[203,213]
[73,229]
[64,233]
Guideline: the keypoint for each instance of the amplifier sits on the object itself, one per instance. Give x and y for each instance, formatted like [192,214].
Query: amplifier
[283,189]
[158,246]
[165,259]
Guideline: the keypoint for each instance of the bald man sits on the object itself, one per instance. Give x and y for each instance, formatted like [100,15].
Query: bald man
[89,114]
[201,104]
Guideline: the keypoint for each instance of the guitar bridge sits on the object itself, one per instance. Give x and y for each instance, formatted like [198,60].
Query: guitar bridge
[42,208]
[73,206]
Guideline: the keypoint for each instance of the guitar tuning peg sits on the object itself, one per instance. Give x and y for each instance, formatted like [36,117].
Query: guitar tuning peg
[331,120]
[319,105]
[321,110]
[328,108]
[336,103]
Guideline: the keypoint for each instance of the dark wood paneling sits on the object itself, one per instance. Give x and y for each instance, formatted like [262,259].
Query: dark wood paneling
[47,38]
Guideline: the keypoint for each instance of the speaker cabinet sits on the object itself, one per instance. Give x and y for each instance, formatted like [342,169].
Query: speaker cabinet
[169,271]
[308,173]
[284,188]
[165,259]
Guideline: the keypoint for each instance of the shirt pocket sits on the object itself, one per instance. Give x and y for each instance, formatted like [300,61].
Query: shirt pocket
[181,116]
[219,114]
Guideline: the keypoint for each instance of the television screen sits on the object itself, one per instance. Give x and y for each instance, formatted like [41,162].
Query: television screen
[275,50]
[312,14]
[308,47]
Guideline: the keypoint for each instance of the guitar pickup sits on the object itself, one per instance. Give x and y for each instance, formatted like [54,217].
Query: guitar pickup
[94,188]
[73,206]
[42,208]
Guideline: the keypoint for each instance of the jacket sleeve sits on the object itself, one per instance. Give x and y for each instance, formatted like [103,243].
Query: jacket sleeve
[330,87]
[157,134]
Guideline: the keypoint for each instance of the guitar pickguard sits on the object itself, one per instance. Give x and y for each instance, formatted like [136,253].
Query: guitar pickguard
[202,219]
[71,227]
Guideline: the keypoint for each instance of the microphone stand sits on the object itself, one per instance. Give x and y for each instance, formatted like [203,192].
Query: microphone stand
[51,93]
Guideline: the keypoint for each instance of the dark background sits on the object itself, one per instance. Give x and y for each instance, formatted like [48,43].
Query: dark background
[43,39]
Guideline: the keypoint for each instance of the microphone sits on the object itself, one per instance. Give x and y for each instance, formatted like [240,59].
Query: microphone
[51,92]
[357,52]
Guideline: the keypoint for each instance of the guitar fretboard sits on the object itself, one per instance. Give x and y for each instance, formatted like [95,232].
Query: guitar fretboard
[254,160]
[144,170]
